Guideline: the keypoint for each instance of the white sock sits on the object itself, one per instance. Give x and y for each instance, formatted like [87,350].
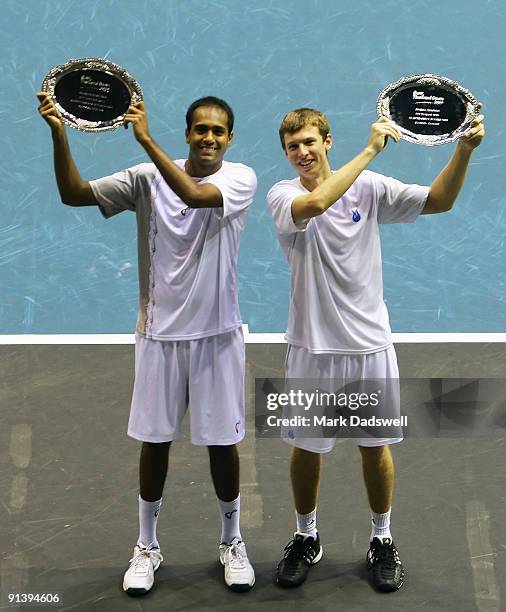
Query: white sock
[148,517]
[306,523]
[380,525]
[230,514]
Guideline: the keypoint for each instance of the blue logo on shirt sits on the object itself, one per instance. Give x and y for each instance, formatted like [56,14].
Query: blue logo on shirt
[356,216]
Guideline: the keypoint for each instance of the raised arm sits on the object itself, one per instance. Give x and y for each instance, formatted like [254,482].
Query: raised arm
[446,186]
[194,195]
[335,186]
[73,190]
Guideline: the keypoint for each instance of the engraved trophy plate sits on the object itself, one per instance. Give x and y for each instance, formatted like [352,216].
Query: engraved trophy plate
[428,109]
[91,94]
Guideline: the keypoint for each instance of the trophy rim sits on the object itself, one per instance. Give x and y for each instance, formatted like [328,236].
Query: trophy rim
[471,103]
[91,63]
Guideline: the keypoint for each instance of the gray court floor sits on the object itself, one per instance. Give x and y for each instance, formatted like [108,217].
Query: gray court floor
[68,497]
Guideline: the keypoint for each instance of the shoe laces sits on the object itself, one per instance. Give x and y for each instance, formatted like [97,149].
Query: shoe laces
[235,556]
[141,560]
[386,553]
[297,549]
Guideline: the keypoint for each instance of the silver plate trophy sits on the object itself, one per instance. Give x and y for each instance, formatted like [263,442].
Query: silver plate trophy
[428,109]
[92,94]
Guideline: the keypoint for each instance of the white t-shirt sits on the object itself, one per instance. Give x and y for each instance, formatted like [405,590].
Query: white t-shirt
[187,256]
[336,303]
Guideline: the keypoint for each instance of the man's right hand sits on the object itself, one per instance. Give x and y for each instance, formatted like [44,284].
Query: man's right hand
[380,132]
[49,112]
[73,190]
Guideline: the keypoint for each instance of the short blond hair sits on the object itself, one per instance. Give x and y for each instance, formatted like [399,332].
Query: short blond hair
[300,118]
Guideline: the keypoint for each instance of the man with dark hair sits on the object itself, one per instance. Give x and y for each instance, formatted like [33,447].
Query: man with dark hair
[210,101]
[189,343]
[338,329]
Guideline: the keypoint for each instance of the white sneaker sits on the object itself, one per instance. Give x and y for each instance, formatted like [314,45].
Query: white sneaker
[140,576]
[239,574]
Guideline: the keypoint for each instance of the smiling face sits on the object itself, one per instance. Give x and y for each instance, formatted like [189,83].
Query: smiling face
[306,150]
[208,139]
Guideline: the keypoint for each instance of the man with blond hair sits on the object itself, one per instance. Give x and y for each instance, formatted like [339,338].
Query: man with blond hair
[328,226]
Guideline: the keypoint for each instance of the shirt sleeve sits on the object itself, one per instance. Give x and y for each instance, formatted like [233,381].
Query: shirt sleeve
[279,201]
[123,190]
[238,186]
[399,202]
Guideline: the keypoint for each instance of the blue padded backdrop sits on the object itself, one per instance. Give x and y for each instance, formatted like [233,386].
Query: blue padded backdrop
[67,270]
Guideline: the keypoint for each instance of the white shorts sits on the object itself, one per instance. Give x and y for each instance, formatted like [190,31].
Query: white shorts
[206,375]
[302,364]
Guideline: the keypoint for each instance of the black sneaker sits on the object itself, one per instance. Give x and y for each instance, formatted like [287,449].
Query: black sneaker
[383,561]
[300,554]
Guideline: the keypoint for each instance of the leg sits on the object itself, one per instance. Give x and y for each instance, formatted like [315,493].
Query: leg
[304,550]
[224,464]
[305,477]
[377,462]
[153,464]
[152,472]
[160,385]
[378,470]
[383,559]
[147,557]
[217,410]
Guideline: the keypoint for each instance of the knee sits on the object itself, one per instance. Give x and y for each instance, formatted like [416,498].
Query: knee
[156,448]
[301,454]
[374,453]
[222,452]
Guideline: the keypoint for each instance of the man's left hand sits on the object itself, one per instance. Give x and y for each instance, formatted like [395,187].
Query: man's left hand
[475,136]
[138,117]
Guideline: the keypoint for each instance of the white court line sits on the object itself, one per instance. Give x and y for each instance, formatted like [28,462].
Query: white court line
[19,491]
[20,450]
[482,557]
[250,338]
[13,569]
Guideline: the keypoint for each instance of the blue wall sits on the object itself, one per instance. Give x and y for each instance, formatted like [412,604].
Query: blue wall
[66,270]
